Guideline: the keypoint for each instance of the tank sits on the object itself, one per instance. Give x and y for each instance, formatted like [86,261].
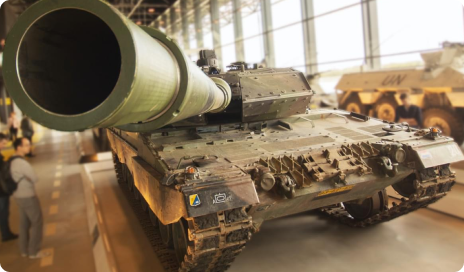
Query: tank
[436,89]
[212,155]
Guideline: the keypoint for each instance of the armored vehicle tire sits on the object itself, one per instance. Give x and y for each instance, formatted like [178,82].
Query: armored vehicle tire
[406,186]
[386,109]
[353,104]
[166,233]
[446,121]
[369,207]
[180,240]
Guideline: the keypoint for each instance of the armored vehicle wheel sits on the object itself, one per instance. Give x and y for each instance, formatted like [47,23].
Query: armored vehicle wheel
[354,104]
[144,203]
[446,121]
[166,233]
[386,109]
[180,240]
[153,218]
[406,186]
[369,207]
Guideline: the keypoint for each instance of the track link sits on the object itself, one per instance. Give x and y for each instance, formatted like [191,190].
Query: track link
[428,195]
[214,239]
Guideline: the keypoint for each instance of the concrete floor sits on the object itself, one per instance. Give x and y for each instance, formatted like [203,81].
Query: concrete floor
[421,241]
[60,192]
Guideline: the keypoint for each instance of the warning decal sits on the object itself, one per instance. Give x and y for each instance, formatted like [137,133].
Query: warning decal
[336,190]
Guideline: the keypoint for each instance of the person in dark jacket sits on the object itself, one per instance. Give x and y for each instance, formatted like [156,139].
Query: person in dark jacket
[408,112]
[27,130]
[13,125]
[7,235]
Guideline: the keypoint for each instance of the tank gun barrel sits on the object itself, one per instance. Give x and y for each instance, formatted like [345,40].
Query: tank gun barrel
[78,64]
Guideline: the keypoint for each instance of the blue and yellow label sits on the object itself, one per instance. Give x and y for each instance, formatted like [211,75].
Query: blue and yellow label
[194,200]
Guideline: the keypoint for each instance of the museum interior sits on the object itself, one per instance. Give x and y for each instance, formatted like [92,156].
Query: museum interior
[232,135]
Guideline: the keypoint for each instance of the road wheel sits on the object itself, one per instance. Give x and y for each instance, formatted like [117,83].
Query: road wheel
[446,121]
[406,186]
[386,109]
[353,104]
[166,233]
[368,207]
[180,239]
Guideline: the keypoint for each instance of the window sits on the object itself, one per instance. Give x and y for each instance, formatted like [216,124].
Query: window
[288,34]
[227,33]
[415,25]
[252,31]
[339,35]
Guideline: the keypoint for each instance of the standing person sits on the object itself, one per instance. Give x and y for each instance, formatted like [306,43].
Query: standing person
[28,131]
[408,112]
[30,213]
[7,235]
[13,125]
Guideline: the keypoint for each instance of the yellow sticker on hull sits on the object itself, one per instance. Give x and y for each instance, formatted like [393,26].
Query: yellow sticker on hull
[194,200]
[336,190]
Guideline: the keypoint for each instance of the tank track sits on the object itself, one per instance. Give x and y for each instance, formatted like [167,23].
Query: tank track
[166,256]
[434,193]
[215,240]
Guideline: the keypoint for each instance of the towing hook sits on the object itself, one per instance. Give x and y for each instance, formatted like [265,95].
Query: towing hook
[286,185]
[390,169]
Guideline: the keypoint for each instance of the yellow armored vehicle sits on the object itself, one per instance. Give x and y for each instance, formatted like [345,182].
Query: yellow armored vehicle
[438,89]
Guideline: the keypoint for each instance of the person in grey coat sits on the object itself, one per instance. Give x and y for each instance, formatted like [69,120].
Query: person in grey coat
[30,213]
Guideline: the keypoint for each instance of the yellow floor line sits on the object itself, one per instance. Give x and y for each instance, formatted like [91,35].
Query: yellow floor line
[58,174]
[107,244]
[47,261]
[100,218]
[59,166]
[57,183]
[55,195]
[53,210]
[50,229]
[60,161]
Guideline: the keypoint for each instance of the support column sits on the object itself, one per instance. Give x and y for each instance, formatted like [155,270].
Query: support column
[371,34]
[268,36]
[309,36]
[164,19]
[185,25]
[198,23]
[238,30]
[173,19]
[216,29]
